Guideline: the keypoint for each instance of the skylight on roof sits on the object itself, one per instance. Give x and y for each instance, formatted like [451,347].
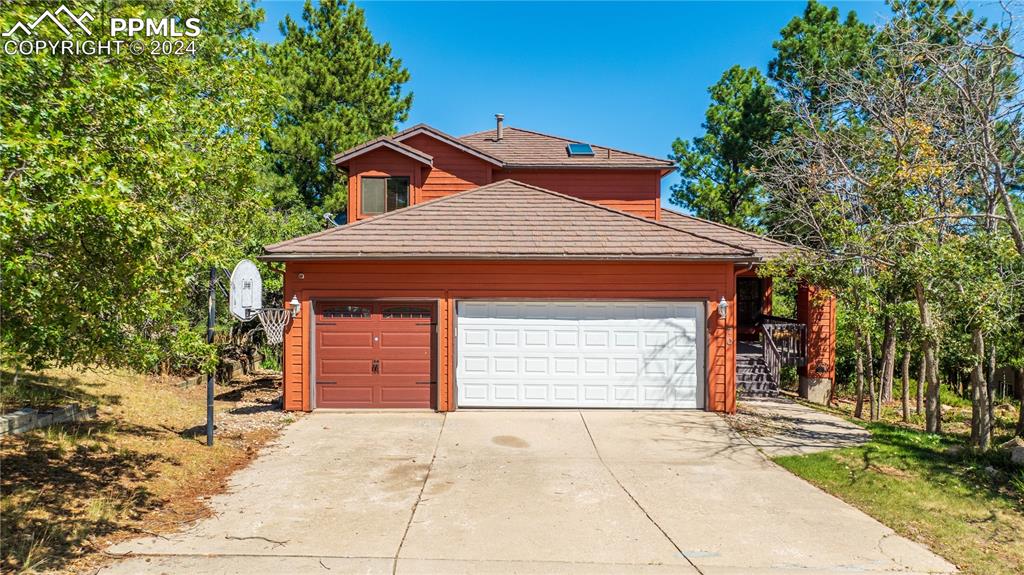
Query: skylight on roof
[579,150]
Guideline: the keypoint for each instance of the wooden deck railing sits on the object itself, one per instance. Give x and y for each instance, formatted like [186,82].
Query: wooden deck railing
[772,357]
[783,342]
[788,336]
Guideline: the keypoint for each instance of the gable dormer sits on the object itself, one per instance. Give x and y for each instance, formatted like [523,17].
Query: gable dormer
[422,163]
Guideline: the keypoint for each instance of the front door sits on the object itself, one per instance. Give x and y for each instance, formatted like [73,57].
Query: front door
[749,301]
[374,354]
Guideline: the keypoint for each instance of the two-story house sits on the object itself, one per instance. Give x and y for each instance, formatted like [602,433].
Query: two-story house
[510,268]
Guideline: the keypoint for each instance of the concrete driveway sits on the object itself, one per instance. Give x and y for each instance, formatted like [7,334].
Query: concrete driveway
[524,492]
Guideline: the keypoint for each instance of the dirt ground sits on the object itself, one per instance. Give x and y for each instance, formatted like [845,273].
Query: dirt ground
[140,467]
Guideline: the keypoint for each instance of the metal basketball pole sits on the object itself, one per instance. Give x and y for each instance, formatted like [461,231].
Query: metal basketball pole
[210,377]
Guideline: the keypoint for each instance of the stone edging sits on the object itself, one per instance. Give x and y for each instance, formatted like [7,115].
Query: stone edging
[26,419]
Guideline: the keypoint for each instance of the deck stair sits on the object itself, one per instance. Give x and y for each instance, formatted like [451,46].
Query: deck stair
[781,342]
[753,378]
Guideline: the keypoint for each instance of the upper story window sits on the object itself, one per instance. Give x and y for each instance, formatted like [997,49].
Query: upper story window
[381,195]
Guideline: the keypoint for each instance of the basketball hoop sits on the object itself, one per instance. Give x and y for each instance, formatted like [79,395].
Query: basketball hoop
[274,320]
[246,302]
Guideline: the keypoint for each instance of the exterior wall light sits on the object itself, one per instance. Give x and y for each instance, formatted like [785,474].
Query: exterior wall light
[295,305]
[723,309]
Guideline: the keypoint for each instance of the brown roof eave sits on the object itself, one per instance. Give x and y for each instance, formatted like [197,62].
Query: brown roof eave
[502,257]
[341,159]
[631,166]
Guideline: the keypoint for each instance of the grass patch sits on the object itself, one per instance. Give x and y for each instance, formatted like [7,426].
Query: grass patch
[965,506]
[140,467]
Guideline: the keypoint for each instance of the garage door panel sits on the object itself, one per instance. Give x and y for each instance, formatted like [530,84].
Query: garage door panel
[567,366]
[595,338]
[356,340]
[626,339]
[505,391]
[355,396]
[535,365]
[473,392]
[475,337]
[536,337]
[389,367]
[656,367]
[595,366]
[565,338]
[505,337]
[565,393]
[505,365]
[340,367]
[566,354]
[401,396]
[475,364]
[625,393]
[405,340]
[627,366]
[536,392]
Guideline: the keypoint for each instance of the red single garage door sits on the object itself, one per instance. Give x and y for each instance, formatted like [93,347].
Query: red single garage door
[374,354]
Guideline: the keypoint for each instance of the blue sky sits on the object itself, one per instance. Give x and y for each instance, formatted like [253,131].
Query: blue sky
[627,75]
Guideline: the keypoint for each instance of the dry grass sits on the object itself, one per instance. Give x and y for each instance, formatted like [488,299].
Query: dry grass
[140,467]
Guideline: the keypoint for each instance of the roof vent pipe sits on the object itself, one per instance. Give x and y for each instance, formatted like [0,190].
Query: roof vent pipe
[501,121]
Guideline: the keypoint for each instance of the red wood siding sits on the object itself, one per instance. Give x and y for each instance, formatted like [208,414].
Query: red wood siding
[637,191]
[448,281]
[381,162]
[292,353]
[816,307]
[453,170]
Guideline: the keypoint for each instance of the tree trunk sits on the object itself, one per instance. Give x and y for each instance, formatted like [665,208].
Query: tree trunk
[981,425]
[888,361]
[1019,380]
[872,394]
[990,378]
[858,411]
[932,407]
[1010,213]
[905,395]
[920,386]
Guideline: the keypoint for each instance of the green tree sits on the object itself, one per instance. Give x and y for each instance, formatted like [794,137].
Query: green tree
[718,169]
[122,179]
[341,88]
[813,44]
[906,186]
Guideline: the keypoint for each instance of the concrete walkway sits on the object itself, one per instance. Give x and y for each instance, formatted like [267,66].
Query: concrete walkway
[524,492]
[802,430]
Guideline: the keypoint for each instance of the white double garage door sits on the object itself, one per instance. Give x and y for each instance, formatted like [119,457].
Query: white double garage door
[625,354]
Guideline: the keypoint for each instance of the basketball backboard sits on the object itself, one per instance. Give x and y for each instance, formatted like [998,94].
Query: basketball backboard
[246,295]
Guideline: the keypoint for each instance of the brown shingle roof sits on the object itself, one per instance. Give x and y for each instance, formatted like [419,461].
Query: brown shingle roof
[764,247]
[506,220]
[520,148]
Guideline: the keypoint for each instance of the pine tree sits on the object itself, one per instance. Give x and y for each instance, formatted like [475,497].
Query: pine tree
[341,88]
[718,180]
